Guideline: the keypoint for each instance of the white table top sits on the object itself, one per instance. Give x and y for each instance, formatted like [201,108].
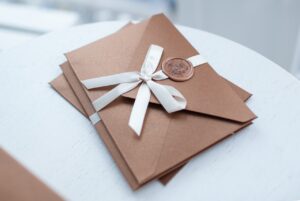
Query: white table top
[60,146]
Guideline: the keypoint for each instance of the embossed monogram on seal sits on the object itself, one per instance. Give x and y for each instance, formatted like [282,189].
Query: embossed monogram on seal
[178,69]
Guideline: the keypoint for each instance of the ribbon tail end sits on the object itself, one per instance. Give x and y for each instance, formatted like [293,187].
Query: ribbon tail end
[135,129]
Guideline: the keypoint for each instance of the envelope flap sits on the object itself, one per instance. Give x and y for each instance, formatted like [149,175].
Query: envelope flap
[108,55]
[206,92]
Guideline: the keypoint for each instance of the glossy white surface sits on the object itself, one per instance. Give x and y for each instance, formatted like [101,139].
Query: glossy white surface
[59,145]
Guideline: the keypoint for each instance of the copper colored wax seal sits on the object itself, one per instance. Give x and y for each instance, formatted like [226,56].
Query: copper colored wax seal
[178,69]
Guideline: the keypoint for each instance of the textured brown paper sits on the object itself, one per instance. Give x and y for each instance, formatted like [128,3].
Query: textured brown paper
[61,85]
[168,140]
[18,184]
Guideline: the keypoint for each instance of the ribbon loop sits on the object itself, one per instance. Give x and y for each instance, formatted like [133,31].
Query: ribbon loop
[159,75]
[169,97]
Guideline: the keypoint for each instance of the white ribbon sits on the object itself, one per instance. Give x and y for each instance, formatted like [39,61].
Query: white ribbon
[94,118]
[169,97]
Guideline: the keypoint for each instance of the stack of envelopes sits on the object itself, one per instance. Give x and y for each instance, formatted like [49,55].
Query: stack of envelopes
[215,107]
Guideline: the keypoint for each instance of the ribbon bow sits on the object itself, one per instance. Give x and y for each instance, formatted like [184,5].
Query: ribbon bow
[169,97]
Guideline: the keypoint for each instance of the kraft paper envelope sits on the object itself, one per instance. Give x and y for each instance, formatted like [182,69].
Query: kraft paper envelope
[18,184]
[168,140]
[106,136]
[61,85]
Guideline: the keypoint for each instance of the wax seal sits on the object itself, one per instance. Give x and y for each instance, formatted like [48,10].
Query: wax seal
[178,69]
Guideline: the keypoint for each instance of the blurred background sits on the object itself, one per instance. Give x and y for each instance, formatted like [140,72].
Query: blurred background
[270,27]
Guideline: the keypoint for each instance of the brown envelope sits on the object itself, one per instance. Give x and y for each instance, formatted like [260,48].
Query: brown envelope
[168,140]
[61,85]
[17,184]
[106,137]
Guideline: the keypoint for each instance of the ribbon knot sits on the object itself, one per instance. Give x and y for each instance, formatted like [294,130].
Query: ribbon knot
[145,78]
[169,97]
